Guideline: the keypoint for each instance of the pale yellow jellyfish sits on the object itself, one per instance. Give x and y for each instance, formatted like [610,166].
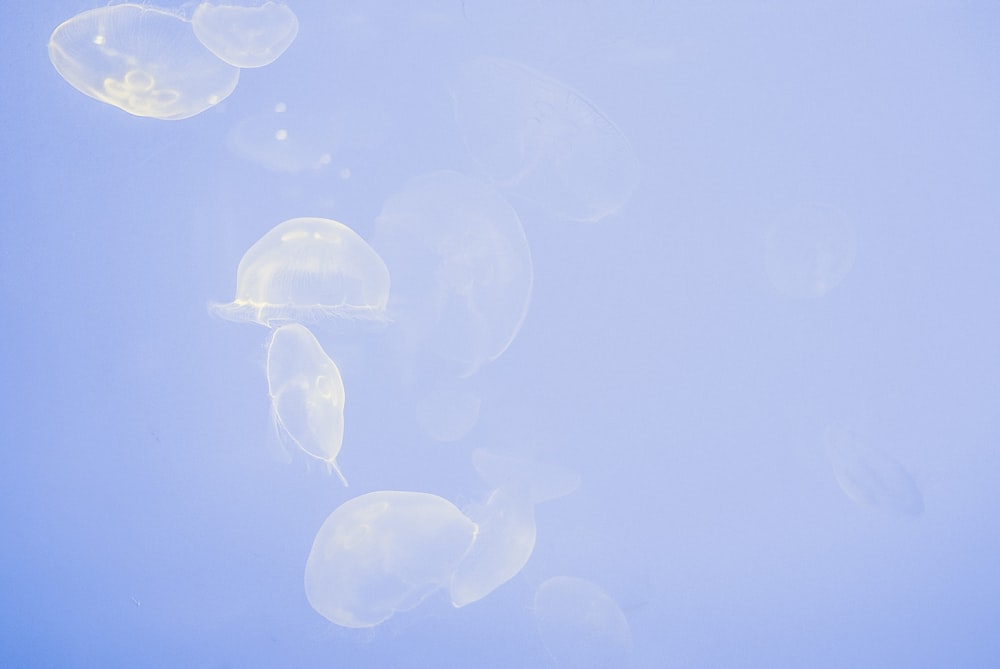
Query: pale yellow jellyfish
[384,552]
[141,59]
[245,35]
[307,394]
[308,270]
[810,248]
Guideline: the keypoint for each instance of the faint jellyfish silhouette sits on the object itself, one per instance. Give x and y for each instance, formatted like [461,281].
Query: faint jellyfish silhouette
[507,531]
[448,414]
[308,270]
[809,250]
[542,141]
[581,626]
[870,476]
[245,35]
[384,552]
[286,141]
[461,264]
[307,394]
[143,60]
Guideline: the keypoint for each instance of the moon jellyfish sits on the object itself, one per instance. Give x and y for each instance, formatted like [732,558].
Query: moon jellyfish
[581,626]
[506,522]
[141,59]
[810,249]
[542,141]
[448,414]
[286,141]
[245,36]
[307,394]
[384,552]
[308,270]
[461,265]
[869,476]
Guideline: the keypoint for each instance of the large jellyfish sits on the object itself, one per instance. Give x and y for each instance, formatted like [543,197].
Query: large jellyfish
[869,476]
[461,265]
[250,35]
[307,394]
[384,552]
[141,59]
[308,270]
[581,626]
[810,249]
[542,141]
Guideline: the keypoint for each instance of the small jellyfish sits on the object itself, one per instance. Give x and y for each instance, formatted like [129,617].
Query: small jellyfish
[581,626]
[810,249]
[461,265]
[286,140]
[448,414]
[869,476]
[308,270]
[143,60]
[542,141]
[245,35]
[384,552]
[307,394]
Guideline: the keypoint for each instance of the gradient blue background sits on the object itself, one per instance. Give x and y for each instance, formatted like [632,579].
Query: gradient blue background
[656,359]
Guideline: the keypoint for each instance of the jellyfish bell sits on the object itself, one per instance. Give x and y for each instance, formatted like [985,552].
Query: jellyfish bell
[245,35]
[309,270]
[141,59]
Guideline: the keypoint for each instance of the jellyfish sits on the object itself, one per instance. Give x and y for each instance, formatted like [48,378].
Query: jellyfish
[448,414]
[507,531]
[245,35]
[384,552]
[810,248]
[307,394]
[542,141]
[308,270]
[869,476]
[143,60]
[461,264]
[284,140]
[581,626]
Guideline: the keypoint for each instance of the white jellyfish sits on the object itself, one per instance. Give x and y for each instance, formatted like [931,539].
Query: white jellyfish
[542,141]
[245,35]
[308,270]
[286,140]
[384,552]
[810,248]
[143,60]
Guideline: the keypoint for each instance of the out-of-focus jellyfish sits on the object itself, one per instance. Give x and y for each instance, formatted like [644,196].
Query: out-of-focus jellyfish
[308,270]
[809,250]
[384,552]
[461,267]
[448,414]
[141,59]
[870,476]
[245,35]
[307,394]
[581,626]
[507,531]
[542,141]
[286,140]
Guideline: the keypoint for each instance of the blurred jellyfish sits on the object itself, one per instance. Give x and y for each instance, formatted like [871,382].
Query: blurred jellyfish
[307,270]
[507,531]
[810,249]
[448,414]
[141,59]
[869,476]
[461,266]
[581,626]
[286,141]
[245,35]
[307,394]
[542,141]
[384,552]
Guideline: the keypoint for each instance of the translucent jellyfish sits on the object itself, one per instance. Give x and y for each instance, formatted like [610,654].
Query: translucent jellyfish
[384,552]
[507,531]
[308,270]
[141,59]
[245,35]
[543,141]
[307,394]
[581,626]
[461,265]
[285,140]
[810,249]
[869,476]
[448,414]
